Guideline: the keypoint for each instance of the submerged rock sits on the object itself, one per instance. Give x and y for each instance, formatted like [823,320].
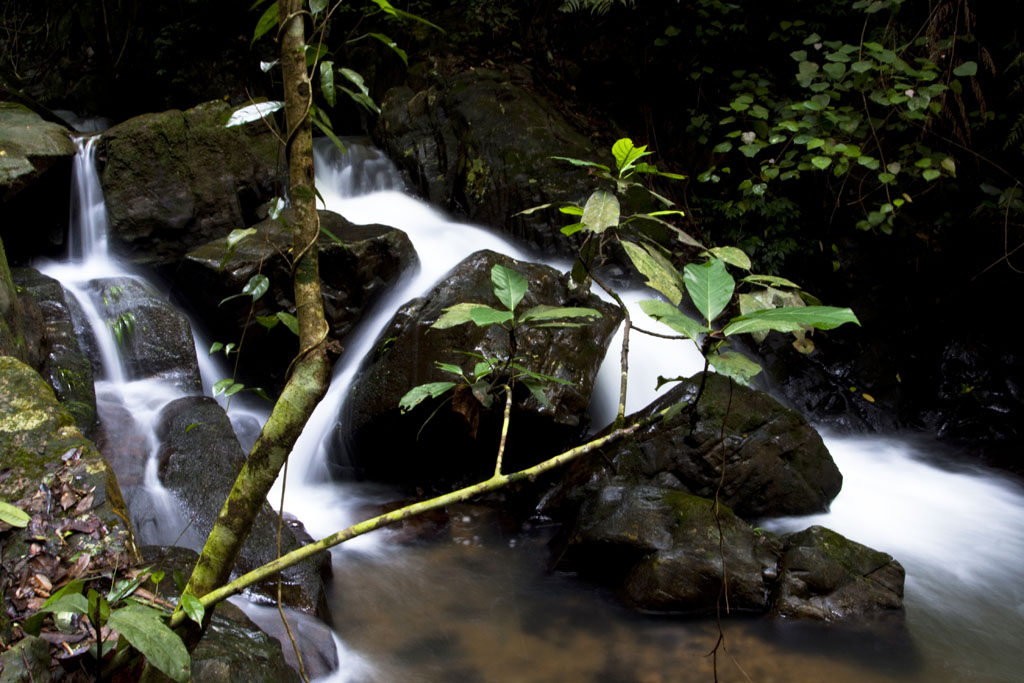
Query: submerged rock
[457,441]
[664,548]
[199,459]
[826,576]
[480,143]
[353,274]
[175,180]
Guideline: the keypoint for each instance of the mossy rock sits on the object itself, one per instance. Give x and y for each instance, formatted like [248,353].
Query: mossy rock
[61,362]
[29,146]
[175,180]
[826,576]
[79,520]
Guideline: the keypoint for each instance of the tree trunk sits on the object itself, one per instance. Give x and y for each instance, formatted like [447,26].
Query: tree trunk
[310,374]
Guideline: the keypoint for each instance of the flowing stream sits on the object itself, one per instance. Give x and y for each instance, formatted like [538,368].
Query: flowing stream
[479,605]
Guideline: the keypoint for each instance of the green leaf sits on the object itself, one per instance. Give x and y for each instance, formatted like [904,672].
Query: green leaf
[236,236]
[145,630]
[966,69]
[558,312]
[13,516]
[509,286]
[215,347]
[485,316]
[221,386]
[267,21]
[391,44]
[821,162]
[330,135]
[537,389]
[930,174]
[257,286]
[402,14]
[734,256]
[626,154]
[666,313]
[735,365]
[459,314]
[253,112]
[193,607]
[317,6]
[267,321]
[327,82]
[417,395]
[571,229]
[661,275]
[710,287]
[770,280]
[571,210]
[601,212]
[581,162]
[791,319]
[290,321]
[448,367]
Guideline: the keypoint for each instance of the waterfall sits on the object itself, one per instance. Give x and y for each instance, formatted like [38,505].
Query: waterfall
[482,607]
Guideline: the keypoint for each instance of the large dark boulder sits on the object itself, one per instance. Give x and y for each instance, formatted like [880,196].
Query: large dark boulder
[353,274]
[60,359]
[199,459]
[457,442]
[663,548]
[479,142]
[826,576]
[31,146]
[12,332]
[774,462]
[175,180]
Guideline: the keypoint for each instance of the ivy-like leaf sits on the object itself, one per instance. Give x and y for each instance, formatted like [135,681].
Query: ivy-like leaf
[601,212]
[791,319]
[661,275]
[145,630]
[417,395]
[710,287]
[666,313]
[509,286]
[290,321]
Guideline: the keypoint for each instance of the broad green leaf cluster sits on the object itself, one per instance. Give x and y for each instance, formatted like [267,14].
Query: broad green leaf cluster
[704,285]
[491,375]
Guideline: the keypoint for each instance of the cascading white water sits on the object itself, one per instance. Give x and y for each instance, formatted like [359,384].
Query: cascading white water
[132,405]
[959,533]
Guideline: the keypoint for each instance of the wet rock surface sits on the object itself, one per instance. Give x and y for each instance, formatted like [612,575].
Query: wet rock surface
[460,441]
[175,180]
[479,142]
[199,459]
[60,359]
[354,274]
